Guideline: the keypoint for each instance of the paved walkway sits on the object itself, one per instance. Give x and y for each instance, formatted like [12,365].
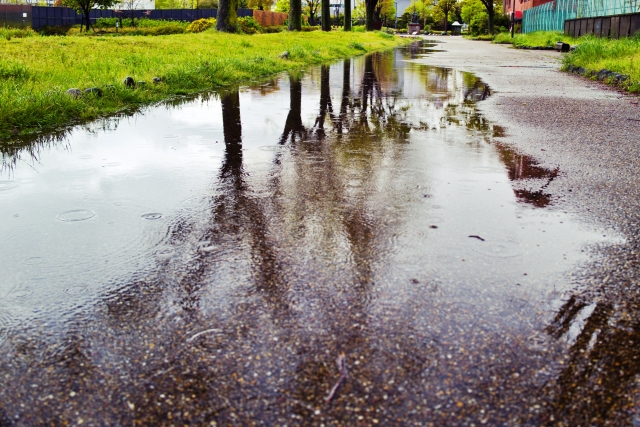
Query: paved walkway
[591,132]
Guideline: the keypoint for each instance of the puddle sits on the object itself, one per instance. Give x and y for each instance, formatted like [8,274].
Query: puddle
[333,216]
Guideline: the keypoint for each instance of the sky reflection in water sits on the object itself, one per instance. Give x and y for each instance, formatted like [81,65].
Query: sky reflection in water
[207,261]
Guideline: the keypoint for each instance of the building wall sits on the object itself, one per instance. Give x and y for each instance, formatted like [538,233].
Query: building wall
[551,16]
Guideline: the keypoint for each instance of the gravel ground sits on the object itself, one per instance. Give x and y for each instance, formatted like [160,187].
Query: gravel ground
[591,133]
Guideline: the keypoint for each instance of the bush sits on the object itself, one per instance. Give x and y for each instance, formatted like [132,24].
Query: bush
[141,23]
[54,30]
[200,25]
[248,25]
[273,29]
[18,33]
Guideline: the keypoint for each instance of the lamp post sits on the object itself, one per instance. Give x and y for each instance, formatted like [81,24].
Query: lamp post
[396,24]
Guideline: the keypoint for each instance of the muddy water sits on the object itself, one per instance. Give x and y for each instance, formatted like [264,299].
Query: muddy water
[205,262]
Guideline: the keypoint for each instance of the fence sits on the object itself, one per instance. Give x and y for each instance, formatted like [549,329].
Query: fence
[552,16]
[37,17]
[604,26]
[17,16]
[268,19]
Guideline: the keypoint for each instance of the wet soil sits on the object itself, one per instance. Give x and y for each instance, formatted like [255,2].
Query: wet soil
[206,262]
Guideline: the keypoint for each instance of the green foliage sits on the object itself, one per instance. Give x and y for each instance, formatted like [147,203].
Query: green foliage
[260,4]
[422,8]
[85,6]
[36,71]
[385,35]
[282,6]
[142,23]
[16,33]
[54,30]
[14,70]
[620,56]
[200,25]
[248,25]
[536,39]
[273,29]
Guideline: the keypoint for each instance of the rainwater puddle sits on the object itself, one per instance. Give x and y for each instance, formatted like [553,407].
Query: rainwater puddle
[363,208]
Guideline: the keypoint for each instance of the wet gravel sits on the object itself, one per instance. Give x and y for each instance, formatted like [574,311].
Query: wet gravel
[591,132]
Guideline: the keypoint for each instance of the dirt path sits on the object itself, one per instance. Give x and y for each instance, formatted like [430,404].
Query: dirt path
[591,133]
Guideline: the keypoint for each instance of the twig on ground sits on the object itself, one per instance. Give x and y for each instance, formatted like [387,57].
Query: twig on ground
[208,331]
[341,362]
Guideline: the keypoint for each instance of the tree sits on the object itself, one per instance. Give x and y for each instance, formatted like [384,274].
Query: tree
[326,15]
[260,4]
[282,6]
[85,6]
[422,9]
[370,9]
[347,15]
[295,15]
[129,5]
[385,9]
[311,9]
[227,20]
[443,9]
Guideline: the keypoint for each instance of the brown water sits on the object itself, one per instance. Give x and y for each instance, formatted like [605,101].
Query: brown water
[206,261]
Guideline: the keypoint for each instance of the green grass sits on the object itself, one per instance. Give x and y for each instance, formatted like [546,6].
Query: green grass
[537,39]
[620,56]
[36,71]
[482,37]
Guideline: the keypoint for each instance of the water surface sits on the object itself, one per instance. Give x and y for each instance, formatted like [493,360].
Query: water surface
[205,262]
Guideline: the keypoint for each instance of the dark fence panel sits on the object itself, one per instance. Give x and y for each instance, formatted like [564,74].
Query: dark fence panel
[14,15]
[36,17]
[605,26]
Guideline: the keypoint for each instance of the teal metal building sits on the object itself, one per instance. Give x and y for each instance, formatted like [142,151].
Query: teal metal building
[551,16]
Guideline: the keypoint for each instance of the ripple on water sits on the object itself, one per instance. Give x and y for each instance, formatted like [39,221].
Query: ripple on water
[33,260]
[273,147]
[152,216]
[76,290]
[171,136]
[20,294]
[8,185]
[76,215]
[498,249]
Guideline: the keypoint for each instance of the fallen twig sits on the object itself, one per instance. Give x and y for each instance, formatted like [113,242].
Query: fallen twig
[341,362]
[202,333]
[477,237]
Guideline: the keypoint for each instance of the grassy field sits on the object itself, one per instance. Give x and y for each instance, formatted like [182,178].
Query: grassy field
[620,56]
[592,53]
[537,39]
[36,71]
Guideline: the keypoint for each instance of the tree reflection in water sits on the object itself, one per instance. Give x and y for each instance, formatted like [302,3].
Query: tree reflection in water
[243,323]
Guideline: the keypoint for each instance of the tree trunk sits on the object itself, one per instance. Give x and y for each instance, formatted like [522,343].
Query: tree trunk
[326,15]
[370,6]
[293,126]
[295,15]
[346,94]
[231,124]
[227,19]
[325,101]
[491,19]
[87,24]
[347,15]
[312,18]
